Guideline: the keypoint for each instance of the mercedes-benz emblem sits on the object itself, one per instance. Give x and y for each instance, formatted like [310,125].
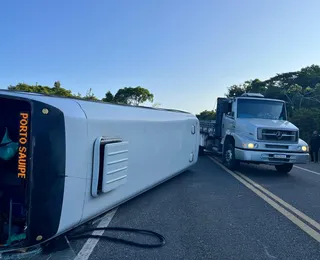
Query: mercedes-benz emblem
[279,134]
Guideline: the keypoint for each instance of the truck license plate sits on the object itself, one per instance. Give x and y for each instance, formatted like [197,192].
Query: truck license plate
[280,156]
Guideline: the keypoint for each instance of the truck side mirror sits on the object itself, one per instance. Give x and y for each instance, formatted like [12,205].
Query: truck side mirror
[225,107]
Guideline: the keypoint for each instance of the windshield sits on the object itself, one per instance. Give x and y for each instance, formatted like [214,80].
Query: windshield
[264,109]
[14,136]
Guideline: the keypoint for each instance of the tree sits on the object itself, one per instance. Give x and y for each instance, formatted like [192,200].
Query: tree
[132,96]
[78,95]
[255,86]
[207,115]
[90,96]
[57,84]
[57,91]
[235,91]
[108,97]
[308,120]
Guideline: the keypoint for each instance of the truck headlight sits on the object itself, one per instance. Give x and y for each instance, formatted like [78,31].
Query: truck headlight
[303,148]
[250,145]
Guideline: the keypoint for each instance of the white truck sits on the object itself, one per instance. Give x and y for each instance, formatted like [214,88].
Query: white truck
[253,129]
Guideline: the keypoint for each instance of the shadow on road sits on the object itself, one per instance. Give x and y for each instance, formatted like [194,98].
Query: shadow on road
[261,171]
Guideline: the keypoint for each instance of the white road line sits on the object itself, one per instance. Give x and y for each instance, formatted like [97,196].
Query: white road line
[310,231]
[304,169]
[91,243]
[282,202]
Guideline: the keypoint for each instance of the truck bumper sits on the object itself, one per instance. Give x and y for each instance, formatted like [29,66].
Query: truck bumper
[271,157]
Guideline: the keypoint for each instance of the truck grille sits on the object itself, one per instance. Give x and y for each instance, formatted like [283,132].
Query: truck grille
[276,146]
[277,135]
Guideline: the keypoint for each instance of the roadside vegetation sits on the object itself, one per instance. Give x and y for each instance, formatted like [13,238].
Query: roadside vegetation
[130,96]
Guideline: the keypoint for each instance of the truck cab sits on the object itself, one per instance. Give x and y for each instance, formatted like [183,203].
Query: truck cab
[255,129]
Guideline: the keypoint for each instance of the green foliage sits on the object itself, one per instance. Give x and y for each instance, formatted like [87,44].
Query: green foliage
[133,96]
[90,96]
[300,89]
[130,96]
[57,91]
[57,84]
[207,115]
[308,120]
[108,97]
[235,91]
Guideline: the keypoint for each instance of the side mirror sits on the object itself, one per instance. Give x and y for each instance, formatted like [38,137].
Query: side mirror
[230,114]
[225,107]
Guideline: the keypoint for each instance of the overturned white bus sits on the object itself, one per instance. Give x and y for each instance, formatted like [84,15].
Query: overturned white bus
[65,161]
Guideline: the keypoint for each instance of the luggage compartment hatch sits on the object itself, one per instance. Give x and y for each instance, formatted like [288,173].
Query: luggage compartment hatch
[115,165]
[110,164]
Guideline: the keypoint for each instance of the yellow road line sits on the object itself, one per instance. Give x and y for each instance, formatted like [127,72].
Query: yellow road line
[310,231]
[282,202]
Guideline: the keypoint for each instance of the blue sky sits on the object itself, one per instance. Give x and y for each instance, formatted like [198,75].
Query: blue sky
[185,52]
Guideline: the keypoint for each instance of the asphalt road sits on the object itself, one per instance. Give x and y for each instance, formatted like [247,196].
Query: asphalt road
[207,213]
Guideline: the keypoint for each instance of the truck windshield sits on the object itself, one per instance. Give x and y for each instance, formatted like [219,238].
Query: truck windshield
[264,109]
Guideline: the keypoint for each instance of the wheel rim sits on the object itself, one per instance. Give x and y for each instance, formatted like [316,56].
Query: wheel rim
[228,156]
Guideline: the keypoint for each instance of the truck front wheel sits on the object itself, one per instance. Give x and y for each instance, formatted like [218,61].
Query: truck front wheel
[284,168]
[229,159]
